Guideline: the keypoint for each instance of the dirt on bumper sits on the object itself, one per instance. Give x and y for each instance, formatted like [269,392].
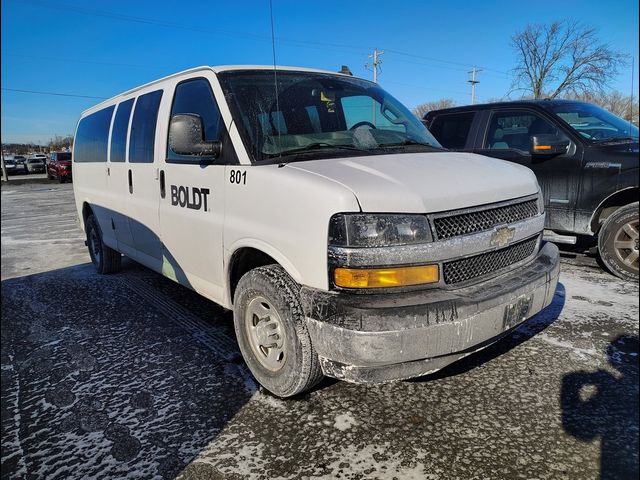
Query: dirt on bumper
[380,338]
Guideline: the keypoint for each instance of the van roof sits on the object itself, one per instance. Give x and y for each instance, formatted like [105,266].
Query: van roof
[215,69]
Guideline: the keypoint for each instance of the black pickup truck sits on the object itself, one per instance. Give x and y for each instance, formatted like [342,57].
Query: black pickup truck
[585,158]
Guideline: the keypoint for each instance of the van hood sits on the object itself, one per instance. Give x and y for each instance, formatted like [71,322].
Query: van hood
[425,182]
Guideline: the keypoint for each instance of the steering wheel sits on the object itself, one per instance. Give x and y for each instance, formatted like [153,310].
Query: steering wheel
[363,124]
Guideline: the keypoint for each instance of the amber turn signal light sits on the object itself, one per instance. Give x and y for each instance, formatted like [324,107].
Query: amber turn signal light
[385,277]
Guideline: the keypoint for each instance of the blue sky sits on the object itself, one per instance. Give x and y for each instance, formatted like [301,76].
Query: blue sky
[103,48]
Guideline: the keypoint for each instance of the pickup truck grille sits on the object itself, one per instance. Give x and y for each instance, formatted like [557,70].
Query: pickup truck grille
[469,268]
[479,220]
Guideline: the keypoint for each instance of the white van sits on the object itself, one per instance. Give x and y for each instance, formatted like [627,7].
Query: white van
[346,241]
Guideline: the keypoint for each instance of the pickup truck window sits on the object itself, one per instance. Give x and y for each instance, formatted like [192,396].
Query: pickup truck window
[318,114]
[452,129]
[513,129]
[195,96]
[595,123]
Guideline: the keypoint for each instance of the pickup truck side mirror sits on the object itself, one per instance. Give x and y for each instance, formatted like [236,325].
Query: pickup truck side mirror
[548,144]
[186,137]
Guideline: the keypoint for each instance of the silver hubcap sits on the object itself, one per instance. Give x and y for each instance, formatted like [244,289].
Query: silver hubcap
[265,332]
[626,244]
[94,243]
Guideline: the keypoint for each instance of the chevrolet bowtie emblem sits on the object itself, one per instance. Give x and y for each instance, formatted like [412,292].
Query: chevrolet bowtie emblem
[502,236]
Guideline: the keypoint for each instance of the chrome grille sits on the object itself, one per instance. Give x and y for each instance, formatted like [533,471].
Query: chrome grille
[472,267]
[477,221]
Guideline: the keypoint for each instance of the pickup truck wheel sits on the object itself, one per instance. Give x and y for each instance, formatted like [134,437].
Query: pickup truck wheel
[272,332]
[104,258]
[618,242]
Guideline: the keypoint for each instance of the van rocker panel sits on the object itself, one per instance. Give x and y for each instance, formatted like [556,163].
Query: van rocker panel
[379,338]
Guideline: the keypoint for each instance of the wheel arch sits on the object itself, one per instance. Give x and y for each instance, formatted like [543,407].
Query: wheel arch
[610,204]
[249,255]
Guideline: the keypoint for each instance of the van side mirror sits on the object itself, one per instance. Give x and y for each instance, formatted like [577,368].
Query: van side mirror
[548,144]
[186,137]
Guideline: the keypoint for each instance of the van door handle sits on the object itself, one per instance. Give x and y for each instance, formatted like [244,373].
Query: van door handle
[130,182]
[163,191]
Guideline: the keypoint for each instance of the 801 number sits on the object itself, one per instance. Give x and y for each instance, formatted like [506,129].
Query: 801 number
[238,176]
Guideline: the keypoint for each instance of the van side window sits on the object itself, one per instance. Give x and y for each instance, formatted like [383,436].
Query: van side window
[143,127]
[92,136]
[195,96]
[119,131]
[452,129]
[513,129]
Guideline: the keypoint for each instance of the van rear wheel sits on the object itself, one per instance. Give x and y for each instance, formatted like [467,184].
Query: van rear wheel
[104,258]
[618,242]
[272,332]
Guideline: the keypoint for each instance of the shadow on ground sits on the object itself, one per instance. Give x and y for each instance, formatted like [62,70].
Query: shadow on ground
[604,405]
[98,379]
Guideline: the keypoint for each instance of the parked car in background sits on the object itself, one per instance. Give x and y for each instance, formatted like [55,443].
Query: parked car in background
[20,163]
[585,158]
[59,167]
[35,165]
[11,166]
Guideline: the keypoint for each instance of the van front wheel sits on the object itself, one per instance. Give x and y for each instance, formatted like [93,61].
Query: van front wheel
[105,259]
[272,332]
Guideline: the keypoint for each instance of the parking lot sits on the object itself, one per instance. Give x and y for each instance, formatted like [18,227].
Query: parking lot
[131,375]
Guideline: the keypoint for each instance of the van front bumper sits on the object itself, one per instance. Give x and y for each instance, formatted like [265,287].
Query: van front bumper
[374,338]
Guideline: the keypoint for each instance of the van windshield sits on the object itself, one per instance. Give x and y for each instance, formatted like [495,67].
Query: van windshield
[595,123]
[319,115]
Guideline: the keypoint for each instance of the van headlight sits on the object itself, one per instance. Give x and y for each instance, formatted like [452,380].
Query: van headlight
[378,230]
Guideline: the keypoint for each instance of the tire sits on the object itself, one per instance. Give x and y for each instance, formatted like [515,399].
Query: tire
[105,259]
[290,365]
[618,242]
[60,179]
[49,176]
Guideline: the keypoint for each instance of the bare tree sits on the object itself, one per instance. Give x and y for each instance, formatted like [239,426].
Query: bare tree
[563,57]
[426,107]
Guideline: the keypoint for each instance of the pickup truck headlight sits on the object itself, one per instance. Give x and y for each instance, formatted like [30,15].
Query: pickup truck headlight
[378,230]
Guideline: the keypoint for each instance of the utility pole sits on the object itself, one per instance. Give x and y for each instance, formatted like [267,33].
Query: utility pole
[633,65]
[376,62]
[4,168]
[473,83]
[374,66]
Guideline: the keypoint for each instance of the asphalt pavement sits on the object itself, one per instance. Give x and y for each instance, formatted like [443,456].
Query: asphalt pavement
[133,376]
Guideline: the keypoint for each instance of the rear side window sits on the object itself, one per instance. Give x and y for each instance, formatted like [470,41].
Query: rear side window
[452,129]
[90,144]
[195,96]
[143,128]
[119,131]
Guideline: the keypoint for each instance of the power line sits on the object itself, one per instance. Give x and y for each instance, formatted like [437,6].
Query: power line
[266,38]
[52,93]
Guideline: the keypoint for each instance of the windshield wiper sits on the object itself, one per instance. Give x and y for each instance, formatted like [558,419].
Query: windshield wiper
[312,147]
[407,143]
